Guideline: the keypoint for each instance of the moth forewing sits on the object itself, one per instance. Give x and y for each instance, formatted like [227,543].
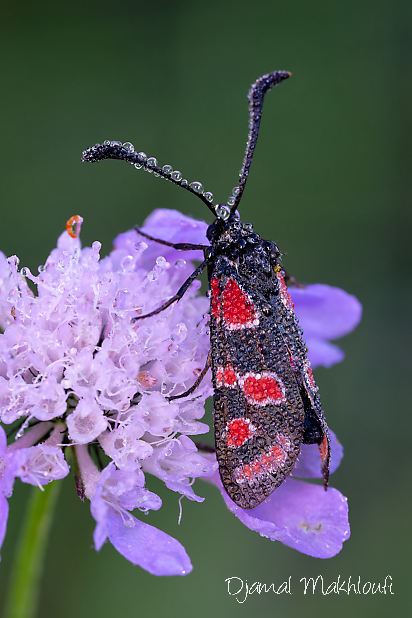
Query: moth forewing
[258,410]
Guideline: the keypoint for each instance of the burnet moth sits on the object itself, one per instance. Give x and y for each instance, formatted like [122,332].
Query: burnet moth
[266,402]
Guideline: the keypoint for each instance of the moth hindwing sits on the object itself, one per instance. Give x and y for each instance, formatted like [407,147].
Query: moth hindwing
[266,402]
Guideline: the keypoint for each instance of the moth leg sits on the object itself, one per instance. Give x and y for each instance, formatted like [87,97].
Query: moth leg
[197,382]
[181,246]
[178,294]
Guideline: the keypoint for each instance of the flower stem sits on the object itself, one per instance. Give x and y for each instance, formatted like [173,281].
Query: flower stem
[27,569]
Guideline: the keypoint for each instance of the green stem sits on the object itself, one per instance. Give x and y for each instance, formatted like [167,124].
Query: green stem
[27,569]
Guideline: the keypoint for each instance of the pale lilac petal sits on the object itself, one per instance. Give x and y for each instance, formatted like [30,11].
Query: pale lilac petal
[100,535]
[324,311]
[7,468]
[147,546]
[47,400]
[177,462]
[41,464]
[3,442]
[87,422]
[300,515]
[116,491]
[308,465]
[322,353]
[4,513]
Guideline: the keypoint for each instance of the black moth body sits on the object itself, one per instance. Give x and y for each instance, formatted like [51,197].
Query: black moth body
[266,402]
[261,374]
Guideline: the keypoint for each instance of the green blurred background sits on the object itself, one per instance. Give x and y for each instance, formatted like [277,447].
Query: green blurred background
[329,183]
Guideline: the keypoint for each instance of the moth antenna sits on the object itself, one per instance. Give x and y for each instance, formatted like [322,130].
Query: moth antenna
[126,152]
[256,96]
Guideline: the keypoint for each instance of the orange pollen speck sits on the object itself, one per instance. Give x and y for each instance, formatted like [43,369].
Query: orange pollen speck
[238,432]
[146,379]
[73,225]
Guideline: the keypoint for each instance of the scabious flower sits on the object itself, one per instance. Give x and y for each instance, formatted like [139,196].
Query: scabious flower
[81,383]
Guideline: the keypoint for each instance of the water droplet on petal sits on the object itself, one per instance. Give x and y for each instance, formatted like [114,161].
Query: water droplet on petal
[115,143]
[106,142]
[25,271]
[209,196]
[128,146]
[41,268]
[167,169]
[231,201]
[235,190]
[162,262]
[184,182]
[127,263]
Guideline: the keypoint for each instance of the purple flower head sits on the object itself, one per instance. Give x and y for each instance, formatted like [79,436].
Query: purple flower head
[78,375]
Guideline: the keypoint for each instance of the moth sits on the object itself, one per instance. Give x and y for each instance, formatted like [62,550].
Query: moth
[266,402]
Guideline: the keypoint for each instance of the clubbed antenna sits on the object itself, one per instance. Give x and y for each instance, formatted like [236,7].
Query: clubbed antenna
[126,152]
[256,96]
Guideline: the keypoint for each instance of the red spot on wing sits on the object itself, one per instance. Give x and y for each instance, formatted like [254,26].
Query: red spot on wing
[225,376]
[215,302]
[229,377]
[265,463]
[323,449]
[262,389]
[239,430]
[286,298]
[238,309]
